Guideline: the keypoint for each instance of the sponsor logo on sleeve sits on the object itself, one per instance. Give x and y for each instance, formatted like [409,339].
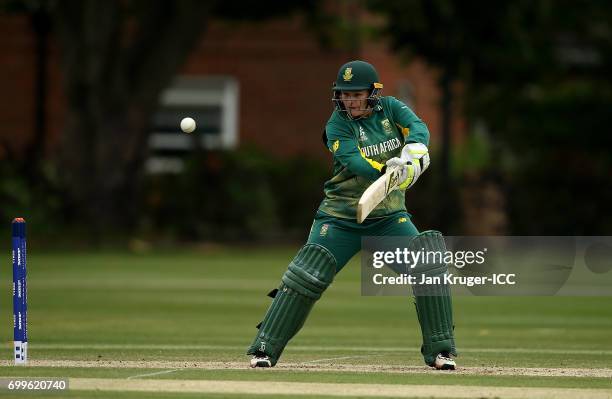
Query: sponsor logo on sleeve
[324,229]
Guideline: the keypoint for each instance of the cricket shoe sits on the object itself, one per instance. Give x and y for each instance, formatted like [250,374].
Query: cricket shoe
[444,361]
[260,360]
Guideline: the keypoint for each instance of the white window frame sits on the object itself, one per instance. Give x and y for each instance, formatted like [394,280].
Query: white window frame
[192,92]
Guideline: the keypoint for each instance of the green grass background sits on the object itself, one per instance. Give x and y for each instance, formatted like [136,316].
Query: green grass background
[203,305]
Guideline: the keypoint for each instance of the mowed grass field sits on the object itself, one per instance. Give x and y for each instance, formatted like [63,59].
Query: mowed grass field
[177,324]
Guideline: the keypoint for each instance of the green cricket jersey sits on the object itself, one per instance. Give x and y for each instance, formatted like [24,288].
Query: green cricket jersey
[360,149]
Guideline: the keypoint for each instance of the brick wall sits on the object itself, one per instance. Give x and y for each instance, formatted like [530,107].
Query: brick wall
[17,77]
[18,85]
[284,76]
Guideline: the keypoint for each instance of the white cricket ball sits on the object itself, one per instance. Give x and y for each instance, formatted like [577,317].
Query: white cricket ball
[188,125]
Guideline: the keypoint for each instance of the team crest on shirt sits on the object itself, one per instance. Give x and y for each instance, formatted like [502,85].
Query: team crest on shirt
[323,231]
[348,74]
[336,145]
[386,126]
[362,134]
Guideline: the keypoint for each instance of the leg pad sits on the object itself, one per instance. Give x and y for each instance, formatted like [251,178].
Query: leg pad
[433,302]
[309,274]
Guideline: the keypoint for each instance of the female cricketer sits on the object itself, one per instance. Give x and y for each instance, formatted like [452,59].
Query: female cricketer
[366,133]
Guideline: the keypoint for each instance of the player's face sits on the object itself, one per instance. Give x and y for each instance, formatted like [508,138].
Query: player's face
[356,102]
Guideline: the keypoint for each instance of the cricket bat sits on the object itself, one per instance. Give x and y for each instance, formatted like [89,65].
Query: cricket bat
[377,192]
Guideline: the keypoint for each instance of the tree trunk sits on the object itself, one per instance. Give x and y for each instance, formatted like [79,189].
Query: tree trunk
[40,20]
[101,156]
[446,188]
[112,83]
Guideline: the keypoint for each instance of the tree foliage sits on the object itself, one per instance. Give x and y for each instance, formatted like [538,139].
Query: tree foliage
[536,73]
[117,57]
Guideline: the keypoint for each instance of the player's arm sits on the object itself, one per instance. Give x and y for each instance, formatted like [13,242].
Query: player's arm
[416,136]
[345,148]
[412,127]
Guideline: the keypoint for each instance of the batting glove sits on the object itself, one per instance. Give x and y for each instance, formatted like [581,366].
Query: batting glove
[414,160]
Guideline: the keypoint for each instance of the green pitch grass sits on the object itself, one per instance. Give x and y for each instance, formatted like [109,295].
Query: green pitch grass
[167,315]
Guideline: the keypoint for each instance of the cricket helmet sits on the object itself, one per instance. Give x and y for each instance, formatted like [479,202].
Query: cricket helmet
[356,76]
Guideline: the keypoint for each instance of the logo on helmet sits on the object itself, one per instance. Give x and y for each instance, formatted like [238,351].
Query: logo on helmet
[348,74]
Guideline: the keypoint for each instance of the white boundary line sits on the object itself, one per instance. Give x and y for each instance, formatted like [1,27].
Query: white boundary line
[339,358]
[133,377]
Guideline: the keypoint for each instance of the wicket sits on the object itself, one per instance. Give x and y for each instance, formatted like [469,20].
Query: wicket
[20,292]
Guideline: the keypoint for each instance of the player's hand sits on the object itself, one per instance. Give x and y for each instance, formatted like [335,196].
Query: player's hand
[393,162]
[406,171]
[414,160]
[416,153]
[416,156]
